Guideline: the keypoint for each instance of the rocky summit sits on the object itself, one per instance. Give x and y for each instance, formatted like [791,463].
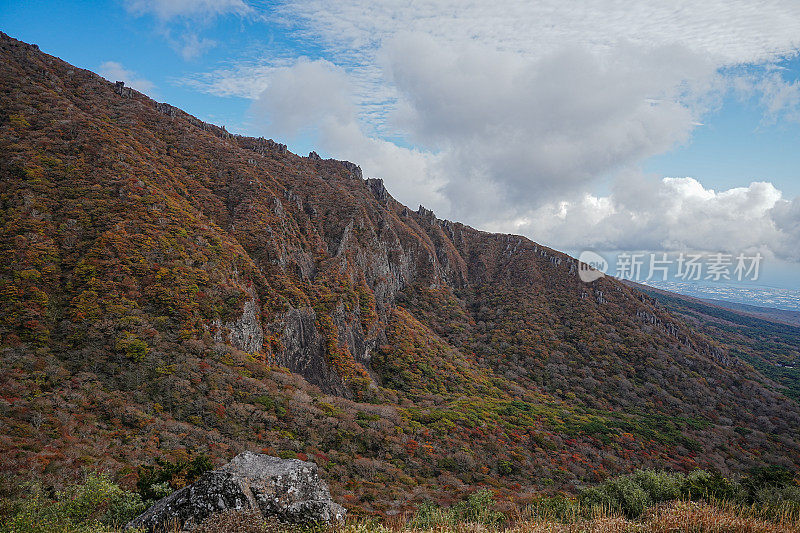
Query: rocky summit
[287,489]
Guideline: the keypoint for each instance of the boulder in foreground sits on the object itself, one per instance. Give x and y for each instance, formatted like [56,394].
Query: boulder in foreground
[287,489]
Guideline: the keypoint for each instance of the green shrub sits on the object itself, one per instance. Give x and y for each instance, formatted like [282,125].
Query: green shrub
[505,468]
[478,508]
[622,494]
[133,347]
[265,401]
[97,505]
[160,480]
[430,515]
[659,486]
[763,481]
[557,508]
[287,454]
[632,494]
[704,485]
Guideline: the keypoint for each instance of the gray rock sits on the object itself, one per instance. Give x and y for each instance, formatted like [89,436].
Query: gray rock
[355,170]
[245,333]
[120,89]
[166,109]
[288,489]
[378,189]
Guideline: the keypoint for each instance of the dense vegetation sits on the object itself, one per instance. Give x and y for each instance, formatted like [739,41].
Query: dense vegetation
[770,346]
[168,288]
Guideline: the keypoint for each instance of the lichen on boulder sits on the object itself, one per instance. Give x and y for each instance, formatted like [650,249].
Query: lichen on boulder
[287,489]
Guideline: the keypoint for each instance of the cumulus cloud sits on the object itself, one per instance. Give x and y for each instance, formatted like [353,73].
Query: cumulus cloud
[303,95]
[114,71]
[676,214]
[527,131]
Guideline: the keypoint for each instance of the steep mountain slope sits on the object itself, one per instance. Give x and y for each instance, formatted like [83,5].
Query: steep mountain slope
[171,288]
[764,340]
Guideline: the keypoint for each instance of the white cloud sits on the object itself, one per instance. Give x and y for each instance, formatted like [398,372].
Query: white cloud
[676,214]
[191,45]
[779,97]
[242,81]
[179,21]
[733,30]
[114,71]
[316,97]
[514,132]
[303,95]
[169,9]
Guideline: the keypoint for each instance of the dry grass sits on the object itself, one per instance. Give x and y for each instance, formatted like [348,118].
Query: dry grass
[674,517]
[234,522]
[701,517]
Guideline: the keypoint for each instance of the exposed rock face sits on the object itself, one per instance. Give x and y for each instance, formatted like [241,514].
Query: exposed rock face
[304,350]
[288,489]
[245,333]
[261,145]
[120,89]
[355,170]
[378,190]
[166,109]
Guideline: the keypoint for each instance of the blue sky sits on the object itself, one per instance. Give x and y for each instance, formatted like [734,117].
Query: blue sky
[738,144]
[602,125]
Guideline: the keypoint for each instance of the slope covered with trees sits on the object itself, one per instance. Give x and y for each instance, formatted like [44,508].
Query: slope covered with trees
[170,289]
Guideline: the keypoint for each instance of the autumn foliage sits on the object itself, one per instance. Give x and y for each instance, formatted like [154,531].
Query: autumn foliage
[169,288]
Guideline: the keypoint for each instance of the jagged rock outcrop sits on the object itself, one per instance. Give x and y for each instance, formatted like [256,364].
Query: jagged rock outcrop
[261,146]
[245,333]
[378,190]
[303,346]
[288,489]
[120,89]
[168,110]
[355,170]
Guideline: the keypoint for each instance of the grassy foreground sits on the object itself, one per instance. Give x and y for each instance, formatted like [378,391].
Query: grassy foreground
[766,500]
[671,517]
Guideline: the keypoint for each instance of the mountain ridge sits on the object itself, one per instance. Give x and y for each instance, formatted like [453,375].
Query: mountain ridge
[161,276]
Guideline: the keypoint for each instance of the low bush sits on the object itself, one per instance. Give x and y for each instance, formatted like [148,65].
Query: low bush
[165,477]
[478,508]
[632,494]
[96,505]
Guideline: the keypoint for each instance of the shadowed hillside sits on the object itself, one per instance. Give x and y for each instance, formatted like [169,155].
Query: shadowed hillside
[169,288]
